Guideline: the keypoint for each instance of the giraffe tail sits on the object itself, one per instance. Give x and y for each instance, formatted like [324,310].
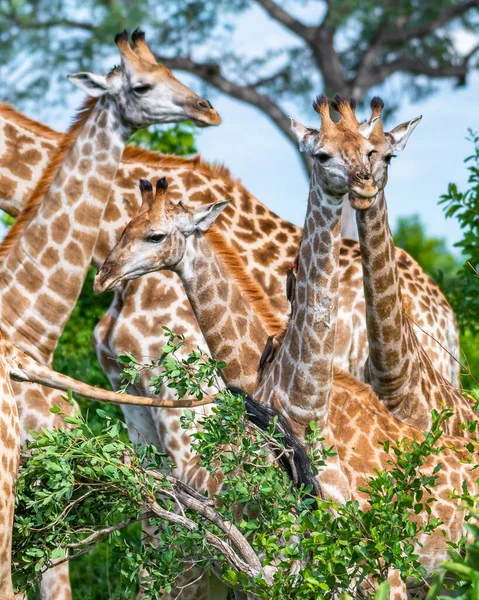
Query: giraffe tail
[300,468]
[26,369]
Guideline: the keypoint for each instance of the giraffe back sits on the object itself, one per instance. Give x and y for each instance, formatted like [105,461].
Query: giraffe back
[267,244]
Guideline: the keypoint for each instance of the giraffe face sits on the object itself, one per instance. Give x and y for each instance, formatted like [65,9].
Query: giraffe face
[386,145]
[340,153]
[146,92]
[157,238]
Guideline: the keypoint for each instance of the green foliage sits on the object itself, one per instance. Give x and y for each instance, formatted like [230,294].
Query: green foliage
[430,252]
[77,483]
[176,139]
[464,566]
[55,37]
[464,206]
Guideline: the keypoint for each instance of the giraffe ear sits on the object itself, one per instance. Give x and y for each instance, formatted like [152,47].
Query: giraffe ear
[305,136]
[400,134]
[91,84]
[204,216]
[366,128]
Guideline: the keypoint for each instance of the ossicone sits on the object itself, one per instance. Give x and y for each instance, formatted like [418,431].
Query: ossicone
[162,184]
[145,186]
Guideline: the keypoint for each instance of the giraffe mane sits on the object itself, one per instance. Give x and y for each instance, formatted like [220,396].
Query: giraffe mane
[12,114]
[250,288]
[154,159]
[36,197]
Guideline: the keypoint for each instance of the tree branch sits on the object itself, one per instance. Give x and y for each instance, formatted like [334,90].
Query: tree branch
[240,563]
[399,33]
[285,18]
[99,535]
[403,34]
[211,74]
[16,20]
[407,64]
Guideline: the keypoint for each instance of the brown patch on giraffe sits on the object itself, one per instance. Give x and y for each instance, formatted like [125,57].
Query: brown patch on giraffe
[55,203]
[88,216]
[37,239]
[107,171]
[51,309]
[59,229]
[8,187]
[31,282]
[97,188]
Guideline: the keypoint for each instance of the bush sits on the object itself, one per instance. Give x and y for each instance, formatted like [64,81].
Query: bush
[80,487]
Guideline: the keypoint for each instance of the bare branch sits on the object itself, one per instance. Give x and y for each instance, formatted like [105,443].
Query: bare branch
[99,535]
[405,34]
[211,74]
[24,24]
[398,32]
[321,41]
[238,562]
[406,64]
[285,18]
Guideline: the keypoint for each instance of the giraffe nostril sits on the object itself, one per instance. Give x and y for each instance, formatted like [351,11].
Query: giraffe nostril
[362,176]
[104,271]
[204,104]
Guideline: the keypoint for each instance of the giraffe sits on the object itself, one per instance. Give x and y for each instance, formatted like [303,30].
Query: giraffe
[224,298]
[301,382]
[9,458]
[266,243]
[47,252]
[399,371]
[354,420]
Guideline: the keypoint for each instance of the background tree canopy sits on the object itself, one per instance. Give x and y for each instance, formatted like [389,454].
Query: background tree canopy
[348,46]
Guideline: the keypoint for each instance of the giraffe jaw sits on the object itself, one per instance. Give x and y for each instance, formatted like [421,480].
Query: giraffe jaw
[361,201]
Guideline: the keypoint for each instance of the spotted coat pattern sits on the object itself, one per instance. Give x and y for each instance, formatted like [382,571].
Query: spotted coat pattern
[267,244]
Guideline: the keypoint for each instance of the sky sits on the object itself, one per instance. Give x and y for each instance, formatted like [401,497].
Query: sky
[258,154]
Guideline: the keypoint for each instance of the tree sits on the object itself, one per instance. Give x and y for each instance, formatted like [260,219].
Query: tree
[430,252]
[349,46]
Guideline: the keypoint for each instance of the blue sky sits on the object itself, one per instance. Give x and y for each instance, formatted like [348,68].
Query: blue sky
[257,152]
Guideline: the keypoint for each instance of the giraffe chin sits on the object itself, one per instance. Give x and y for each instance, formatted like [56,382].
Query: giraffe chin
[361,202]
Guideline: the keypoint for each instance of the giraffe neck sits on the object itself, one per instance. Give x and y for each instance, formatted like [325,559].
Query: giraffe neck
[43,272]
[391,359]
[299,378]
[231,328]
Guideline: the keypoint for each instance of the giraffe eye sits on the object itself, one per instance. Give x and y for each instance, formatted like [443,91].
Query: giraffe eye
[370,154]
[155,238]
[322,157]
[388,158]
[142,89]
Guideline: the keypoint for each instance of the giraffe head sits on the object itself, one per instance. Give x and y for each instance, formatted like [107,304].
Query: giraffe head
[340,152]
[386,144]
[146,92]
[156,238]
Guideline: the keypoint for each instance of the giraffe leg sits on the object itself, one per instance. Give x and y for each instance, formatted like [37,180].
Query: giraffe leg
[56,583]
[397,587]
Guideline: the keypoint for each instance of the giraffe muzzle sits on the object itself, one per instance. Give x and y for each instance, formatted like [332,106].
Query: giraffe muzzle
[103,280]
[362,190]
[202,113]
